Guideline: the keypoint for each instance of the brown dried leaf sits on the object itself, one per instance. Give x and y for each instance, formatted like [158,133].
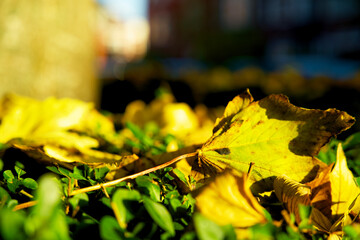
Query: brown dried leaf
[292,193]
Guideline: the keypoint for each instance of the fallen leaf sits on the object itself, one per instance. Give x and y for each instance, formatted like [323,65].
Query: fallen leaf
[63,131]
[321,192]
[272,133]
[292,193]
[228,200]
[333,195]
[344,189]
[334,191]
[178,119]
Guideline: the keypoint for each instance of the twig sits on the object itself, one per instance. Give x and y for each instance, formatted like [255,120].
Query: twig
[114,182]
[24,205]
[26,193]
[104,190]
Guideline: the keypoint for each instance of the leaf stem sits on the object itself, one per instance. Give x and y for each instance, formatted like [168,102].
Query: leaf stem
[116,181]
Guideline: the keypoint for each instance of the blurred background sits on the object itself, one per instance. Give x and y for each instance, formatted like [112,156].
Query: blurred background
[112,52]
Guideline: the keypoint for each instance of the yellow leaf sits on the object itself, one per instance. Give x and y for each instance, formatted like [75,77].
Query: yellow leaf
[344,190]
[62,131]
[275,135]
[45,121]
[228,200]
[292,193]
[236,105]
[177,119]
[334,236]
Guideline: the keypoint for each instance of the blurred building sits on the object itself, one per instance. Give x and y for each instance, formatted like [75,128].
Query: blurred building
[218,30]
[126,38]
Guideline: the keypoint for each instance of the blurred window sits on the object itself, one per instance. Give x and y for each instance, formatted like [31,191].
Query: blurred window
[235,14]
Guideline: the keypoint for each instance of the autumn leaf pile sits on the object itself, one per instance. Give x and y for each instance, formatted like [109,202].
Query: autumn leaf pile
[263,169]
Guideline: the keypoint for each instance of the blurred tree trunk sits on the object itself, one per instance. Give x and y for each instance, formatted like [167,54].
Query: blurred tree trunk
[47,48]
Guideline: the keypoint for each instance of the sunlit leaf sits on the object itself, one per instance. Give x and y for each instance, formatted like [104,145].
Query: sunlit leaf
[333,196]
[65,131]
[8,175]
[177,119]
[272,133]
[344,190]
[228,200]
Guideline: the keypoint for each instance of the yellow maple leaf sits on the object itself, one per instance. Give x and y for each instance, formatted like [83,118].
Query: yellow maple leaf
[272,133]
[228,200]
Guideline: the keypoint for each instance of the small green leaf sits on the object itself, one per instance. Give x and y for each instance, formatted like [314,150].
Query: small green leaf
[77,174]
[19,165]
[30,183]
[140,135]
[149,187]
[59,170]
[12,203]
[8,175]
[207,229]
[19,171]
[109,229]
[13,184]
[81,199]
[100,173]
[177,207]
[180,175]
[126,205]
[352,141]
[160,215]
